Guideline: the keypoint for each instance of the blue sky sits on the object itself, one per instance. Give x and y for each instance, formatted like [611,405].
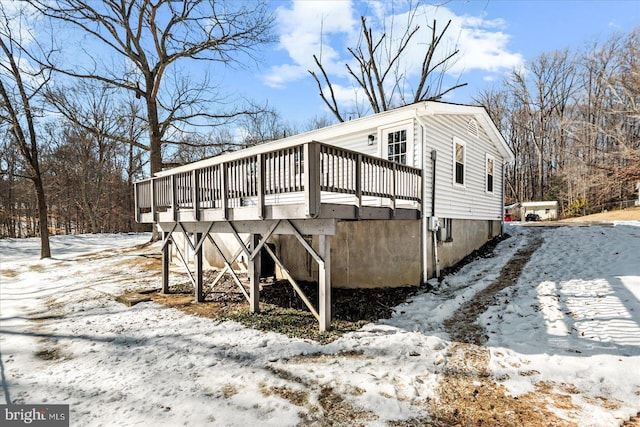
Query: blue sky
[494,36]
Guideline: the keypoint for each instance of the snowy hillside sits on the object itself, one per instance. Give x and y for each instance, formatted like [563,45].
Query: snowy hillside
[565,336]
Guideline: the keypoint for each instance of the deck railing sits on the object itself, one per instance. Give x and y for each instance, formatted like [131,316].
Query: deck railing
[312,171]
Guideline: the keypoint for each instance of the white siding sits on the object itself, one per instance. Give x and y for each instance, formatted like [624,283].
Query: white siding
[356,142]
[359,141]
[470,201]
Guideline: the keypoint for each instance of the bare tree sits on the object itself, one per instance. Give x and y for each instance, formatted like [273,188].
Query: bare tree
[9,222]
[573,122]
[151,38]
[265,127]
[20,84]
[95,155]
[319,122]
[379,71]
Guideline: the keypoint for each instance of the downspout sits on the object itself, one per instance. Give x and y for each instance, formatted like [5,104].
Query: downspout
[436,261]
[502,199]
[429,223]
[424,256]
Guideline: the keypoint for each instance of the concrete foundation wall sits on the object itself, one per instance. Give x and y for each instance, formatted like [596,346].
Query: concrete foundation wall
[364,254]
[368,254]
[468,235]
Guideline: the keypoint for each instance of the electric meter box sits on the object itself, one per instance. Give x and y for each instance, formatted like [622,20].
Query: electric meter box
[434,224]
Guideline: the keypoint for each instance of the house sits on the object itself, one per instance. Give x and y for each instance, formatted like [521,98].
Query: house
[384,200]
[547,211]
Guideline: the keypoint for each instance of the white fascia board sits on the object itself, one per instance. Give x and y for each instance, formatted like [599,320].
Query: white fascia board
[480,114]
[540,204]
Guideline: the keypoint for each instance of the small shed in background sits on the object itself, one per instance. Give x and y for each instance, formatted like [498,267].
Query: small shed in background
[546,210]
[512,212]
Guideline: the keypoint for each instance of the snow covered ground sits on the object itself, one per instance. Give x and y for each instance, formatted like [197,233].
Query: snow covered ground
[572,319]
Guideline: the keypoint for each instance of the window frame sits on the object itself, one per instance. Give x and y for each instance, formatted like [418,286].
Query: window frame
[492,159]
[383,135]
[457,141]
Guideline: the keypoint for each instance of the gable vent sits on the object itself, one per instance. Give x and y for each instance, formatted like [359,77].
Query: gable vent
[472,128]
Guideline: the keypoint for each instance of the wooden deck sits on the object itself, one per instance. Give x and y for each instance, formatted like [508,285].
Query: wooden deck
[311,180]
[297,190]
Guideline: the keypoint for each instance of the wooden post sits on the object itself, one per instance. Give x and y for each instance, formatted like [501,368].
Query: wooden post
[198,262]
[394,189]
[358,185]
[254,274]
[324,282]
[312,179]
[195,195]
[137,202]
[224,190]
[260,184]
[166,259]
[153,200]
[174,198]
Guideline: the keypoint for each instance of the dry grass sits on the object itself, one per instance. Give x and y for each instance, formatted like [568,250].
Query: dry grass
[9,272]
[328,409]
[229,390]
[37,268]
[49,350]
[619,215]
[296,397]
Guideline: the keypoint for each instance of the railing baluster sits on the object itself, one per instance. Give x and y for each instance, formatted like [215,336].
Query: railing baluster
[224,189]
[195,194]
[358,185]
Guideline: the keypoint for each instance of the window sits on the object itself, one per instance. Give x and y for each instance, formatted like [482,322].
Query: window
[459,158]
[489,173]
[397,146]
[445,233]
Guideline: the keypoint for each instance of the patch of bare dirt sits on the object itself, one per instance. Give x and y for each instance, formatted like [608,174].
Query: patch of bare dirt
[633,421]
[462,325]
[49,350]
[348,305]
[467,394]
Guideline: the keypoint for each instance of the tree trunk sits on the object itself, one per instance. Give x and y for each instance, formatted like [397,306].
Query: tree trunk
[155,138]
[45,249]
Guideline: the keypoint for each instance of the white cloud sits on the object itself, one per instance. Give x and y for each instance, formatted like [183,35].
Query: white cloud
[328,28]
[311,27]
[279,75]
[483,46]
[21,21]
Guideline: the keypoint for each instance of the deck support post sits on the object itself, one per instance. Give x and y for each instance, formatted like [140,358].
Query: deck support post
[166,259]
[198,264]
[254,275]
[324,282]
